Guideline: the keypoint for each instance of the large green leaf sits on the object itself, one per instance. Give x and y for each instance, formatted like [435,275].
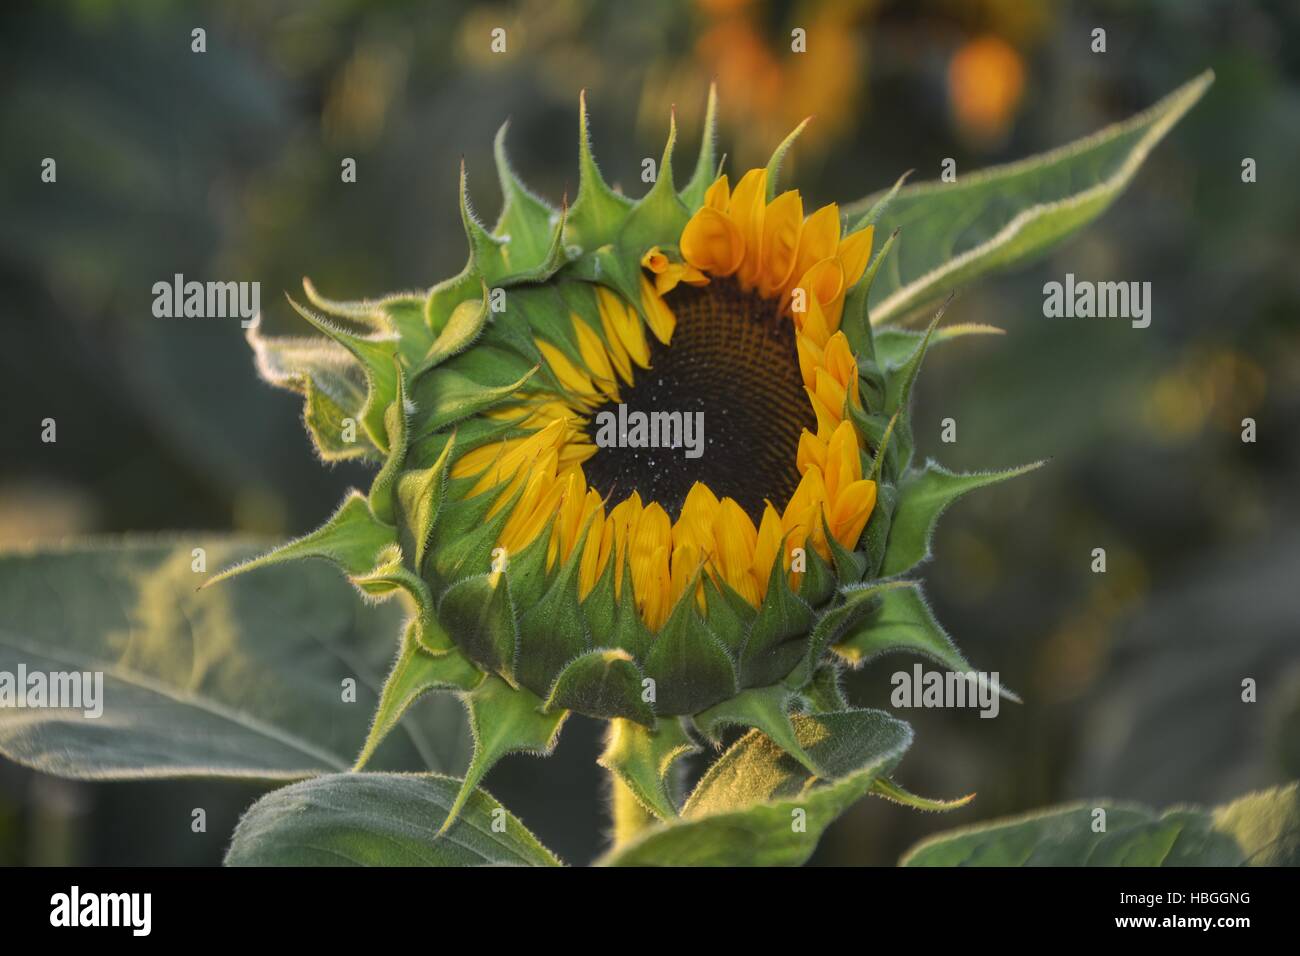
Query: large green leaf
[1260,829]
[245,679]
[758,806]
[381,819]
[954,232]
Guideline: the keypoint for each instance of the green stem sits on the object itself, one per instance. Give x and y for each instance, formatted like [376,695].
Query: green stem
[629,816]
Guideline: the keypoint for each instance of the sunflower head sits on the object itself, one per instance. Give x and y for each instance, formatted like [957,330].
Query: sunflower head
[637,460]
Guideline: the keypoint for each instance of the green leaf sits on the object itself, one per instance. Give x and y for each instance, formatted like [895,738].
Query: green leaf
[381,819]
[503,720]
[1260,829]
[245,680]
[922,497]
[954,232]
[904,623]
[641,758]
[758,806]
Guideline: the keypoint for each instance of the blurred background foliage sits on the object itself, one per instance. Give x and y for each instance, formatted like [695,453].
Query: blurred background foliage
[226,166]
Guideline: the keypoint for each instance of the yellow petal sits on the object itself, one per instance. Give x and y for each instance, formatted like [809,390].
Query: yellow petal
[781,224]
[658,315]
[767,544]
[851,511]
[592,349]
[623,325]
[818,239]
[569,375]
[854,254]
[812,451]
[712,242]
[718,195]
[747,207]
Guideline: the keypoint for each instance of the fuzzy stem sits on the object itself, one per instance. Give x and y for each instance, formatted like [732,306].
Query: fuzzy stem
[628,815]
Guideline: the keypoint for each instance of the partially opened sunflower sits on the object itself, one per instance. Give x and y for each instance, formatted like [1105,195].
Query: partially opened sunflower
[552,573]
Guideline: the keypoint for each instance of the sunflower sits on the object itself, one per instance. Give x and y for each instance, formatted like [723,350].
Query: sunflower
[743,322]
[552,571]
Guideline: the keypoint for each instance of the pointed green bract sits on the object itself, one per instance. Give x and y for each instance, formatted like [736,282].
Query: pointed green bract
[922,497]
[604,682]
[503,720]
[761,708]
[641,757]
[706,165]
[691,670]
[353,538]
[415,672]
[903,622]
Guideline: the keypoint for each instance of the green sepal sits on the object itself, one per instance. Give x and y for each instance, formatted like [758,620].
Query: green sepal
[352,538]
[898,389]
[390,576]
[889,790]
[878,207]
[375,354]
[849,565]
[444,297]
[552,628]
[397,429]
[332,383]
[776,640]
[922,497]
[598,212]
[778,157]
[856,602]
[660,215]
[706,165]
[503,720]
[525,219]
[604,683]
[818,578]
[445,396]
[688,664]
[875,536]
[903,622]
[766,709]
[419,500]
[728,615]
[463,326]
[614,622]
[894,345]
[641,758]
[415,672]
[465,536]
[401,313]
[823,693]
[479,614]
